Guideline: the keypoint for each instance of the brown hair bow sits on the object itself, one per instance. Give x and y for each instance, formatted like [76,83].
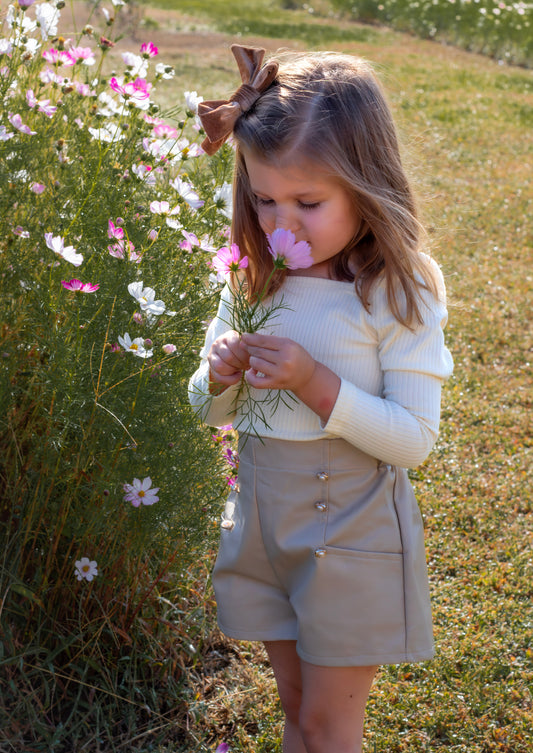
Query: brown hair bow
[218,117]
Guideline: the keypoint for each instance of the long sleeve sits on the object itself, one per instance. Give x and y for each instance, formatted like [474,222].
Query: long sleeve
[391,376]
[213,410]
[400,425]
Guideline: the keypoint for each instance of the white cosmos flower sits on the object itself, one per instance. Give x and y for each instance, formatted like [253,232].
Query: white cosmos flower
[108,133]
[6,48]
[57,245]
[165,71]
[24,27]
[192,100]
[145,297]
[48,17]
[32,45]
[224,193]
[187,192]
[134,346]
[139,492]
[86,569]
[138,65]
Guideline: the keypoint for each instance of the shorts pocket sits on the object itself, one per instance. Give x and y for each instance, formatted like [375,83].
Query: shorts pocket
[352,606]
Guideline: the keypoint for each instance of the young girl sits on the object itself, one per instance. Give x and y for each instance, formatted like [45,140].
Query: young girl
[322,551]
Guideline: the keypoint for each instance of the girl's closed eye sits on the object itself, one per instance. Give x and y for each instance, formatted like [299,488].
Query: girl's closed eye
[309,205]
[261,202]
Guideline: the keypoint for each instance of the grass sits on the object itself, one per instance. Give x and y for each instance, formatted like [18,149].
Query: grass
[466,123]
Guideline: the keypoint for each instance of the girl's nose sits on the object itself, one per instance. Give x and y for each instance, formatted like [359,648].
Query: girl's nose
[287,220]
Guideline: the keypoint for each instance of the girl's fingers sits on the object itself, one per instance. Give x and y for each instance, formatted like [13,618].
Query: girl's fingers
[269,342]
[258,379]
[262,358]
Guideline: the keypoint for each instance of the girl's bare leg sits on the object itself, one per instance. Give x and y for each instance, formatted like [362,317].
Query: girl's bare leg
[333,707]
[286,666]
[324,706]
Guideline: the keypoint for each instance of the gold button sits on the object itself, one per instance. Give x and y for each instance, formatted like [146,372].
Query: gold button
[320,552]
[321,506]
[322,476]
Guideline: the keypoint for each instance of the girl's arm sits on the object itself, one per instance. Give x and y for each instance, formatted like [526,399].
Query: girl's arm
[400,425]
[213,389]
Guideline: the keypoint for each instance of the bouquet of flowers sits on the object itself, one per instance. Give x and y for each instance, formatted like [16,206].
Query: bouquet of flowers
[251,316]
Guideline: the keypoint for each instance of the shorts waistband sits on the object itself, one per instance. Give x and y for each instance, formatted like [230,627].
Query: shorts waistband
[331,454]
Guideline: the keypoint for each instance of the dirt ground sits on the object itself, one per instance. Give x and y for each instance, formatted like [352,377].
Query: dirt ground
[176,35]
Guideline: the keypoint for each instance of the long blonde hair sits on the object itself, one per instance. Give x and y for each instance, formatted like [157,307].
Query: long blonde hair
[330,110]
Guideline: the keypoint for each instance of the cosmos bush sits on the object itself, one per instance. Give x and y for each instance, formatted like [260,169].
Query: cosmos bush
[109,214]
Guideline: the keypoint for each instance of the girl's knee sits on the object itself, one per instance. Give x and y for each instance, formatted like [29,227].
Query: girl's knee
[291,700]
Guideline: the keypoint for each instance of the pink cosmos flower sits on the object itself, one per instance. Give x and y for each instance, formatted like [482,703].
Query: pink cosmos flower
[82,89]
[31,99]
[113,231]
[26,3]
[16,122]
[169,348]
[149,50]
[288,254]
[21,232]
[46,108]
[159,207]
[37,188]
[138,89]
[79,286]
[48,76]
[165,131]
[59,57]
[120,248]
[229,259]
[5,135]
[222,748]
[143,172]
[190,240]
[140,492]
[82,55]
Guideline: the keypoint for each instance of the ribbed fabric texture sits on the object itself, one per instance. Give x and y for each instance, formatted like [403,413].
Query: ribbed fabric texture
[389,400]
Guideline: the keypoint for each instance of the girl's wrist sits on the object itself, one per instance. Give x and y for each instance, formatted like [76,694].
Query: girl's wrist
[320,391]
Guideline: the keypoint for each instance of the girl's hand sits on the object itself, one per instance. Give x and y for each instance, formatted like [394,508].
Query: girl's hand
[277,362]
[227,360]
[280,363]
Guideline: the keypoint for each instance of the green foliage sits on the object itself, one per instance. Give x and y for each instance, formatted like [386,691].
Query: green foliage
[500,29]
[82,415]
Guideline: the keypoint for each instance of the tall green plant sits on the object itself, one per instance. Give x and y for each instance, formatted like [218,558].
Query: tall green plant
[108,215]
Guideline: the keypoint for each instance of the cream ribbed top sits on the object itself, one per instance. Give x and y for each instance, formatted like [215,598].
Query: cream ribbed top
[389,400]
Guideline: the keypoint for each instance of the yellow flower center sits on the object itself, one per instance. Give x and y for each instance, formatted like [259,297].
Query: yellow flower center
[142,494]
[134,346]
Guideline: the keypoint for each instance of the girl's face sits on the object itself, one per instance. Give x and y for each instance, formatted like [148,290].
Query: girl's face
[307,201]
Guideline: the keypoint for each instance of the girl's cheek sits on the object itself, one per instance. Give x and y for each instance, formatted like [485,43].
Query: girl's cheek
[266,220]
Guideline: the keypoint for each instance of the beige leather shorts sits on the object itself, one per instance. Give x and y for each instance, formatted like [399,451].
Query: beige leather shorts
[324,545]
